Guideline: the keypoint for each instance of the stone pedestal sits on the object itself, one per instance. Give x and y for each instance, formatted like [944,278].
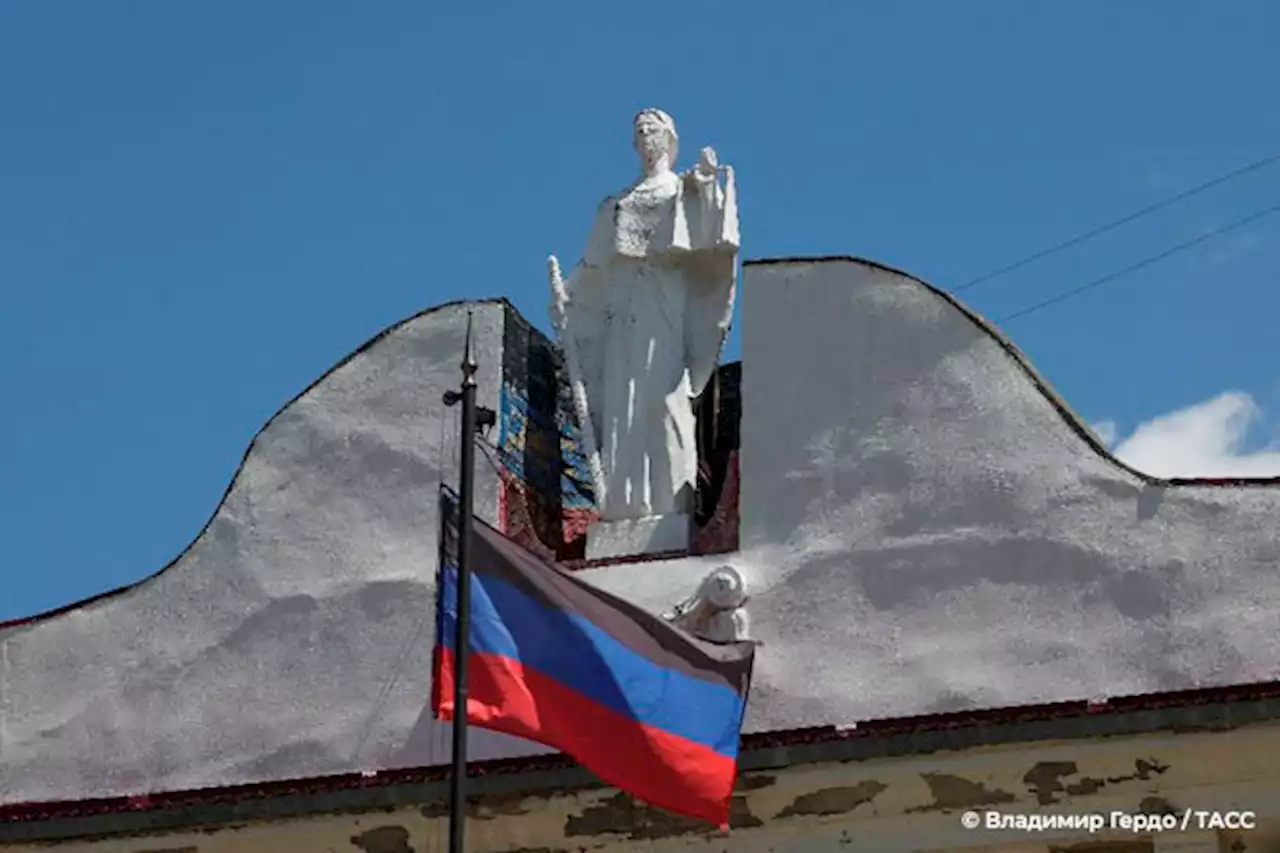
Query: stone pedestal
[630,537]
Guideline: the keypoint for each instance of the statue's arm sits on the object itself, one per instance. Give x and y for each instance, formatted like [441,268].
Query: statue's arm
[704,176]
[715,200]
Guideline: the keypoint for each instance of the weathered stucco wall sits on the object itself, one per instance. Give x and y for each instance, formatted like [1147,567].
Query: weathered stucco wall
[900,805]
[923,530]
[293,638]
[928,532]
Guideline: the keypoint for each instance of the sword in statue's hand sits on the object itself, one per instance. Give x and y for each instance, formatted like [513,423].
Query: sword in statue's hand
[586,434]
[559,295]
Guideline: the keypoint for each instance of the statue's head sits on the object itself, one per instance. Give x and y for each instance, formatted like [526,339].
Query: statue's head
[656,141]
[724,589]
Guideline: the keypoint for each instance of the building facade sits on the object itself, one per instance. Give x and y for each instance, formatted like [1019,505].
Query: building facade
[965,604]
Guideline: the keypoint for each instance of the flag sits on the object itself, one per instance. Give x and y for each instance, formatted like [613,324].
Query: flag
[643,705]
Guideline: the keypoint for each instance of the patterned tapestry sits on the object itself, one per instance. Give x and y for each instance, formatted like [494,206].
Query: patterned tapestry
[547,502]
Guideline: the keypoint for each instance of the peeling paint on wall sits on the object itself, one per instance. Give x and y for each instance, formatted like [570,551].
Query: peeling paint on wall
[956,792]
[489,808]
[384,839]
[831,801]
[1047,779]
[1157,805]
[621,815]
[809,804]
[755,782]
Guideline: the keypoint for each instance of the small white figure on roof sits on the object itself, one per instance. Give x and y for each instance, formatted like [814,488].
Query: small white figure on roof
[717,611]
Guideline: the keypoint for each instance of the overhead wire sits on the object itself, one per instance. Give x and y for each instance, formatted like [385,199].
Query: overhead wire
[1145,262]
[1124,220]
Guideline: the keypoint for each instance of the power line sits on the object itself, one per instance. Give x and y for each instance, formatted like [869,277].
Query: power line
[1075,291]
[1102,229]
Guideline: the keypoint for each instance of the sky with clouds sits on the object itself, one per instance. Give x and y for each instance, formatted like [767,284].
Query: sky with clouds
[203,206]
[1228,435]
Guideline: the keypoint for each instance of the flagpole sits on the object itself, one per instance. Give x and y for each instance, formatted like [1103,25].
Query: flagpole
[462,641]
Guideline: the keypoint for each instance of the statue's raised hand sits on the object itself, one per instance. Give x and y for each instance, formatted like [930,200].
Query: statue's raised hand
[708,162]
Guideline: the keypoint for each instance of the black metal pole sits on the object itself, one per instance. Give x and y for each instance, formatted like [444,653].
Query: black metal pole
[462,643]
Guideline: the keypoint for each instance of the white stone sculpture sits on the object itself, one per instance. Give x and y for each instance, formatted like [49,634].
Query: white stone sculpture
[642,320]
[717,611]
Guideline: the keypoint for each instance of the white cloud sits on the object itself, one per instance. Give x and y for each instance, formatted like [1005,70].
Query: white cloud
[1204,440]
[1106,431]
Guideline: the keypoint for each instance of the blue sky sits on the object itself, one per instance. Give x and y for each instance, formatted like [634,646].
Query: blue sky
[203,206]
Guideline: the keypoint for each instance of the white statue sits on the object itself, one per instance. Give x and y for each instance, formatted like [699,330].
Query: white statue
[717,611]
[642,320]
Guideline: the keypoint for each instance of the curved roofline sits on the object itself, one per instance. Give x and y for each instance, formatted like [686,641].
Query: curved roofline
[1069,416]
[235,477]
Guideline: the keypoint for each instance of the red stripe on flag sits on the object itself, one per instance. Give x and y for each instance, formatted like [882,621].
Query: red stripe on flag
[662,769]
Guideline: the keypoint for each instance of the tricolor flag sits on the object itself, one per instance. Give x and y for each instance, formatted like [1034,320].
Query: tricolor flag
[643,705]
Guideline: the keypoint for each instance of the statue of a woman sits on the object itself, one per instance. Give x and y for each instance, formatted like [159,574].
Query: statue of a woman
[643,318]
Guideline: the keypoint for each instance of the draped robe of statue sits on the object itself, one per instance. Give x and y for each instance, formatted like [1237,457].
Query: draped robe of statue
[648,310]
